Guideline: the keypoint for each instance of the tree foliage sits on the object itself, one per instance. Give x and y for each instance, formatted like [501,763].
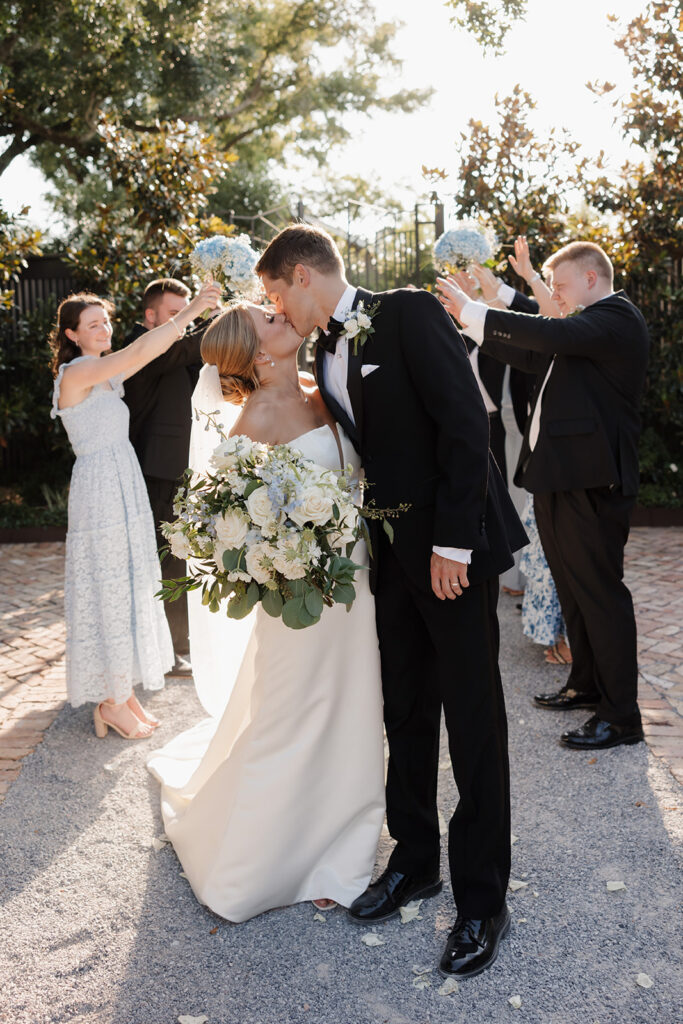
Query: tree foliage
[514,180]
[256,74]
[489,21]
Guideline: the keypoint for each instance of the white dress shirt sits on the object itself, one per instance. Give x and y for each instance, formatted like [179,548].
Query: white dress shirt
[335,373]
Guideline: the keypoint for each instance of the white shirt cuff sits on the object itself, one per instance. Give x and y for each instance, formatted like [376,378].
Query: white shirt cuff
[473,317]
[505,293]
[455,554]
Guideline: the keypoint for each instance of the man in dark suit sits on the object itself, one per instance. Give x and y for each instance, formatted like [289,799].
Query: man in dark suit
[579,458]
[158,398]
[408,399]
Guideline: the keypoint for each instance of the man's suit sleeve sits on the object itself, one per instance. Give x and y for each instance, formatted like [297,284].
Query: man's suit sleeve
[598,332]
[522,303]
[436,356]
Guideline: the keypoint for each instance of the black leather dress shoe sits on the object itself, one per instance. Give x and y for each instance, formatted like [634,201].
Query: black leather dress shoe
[473,945]
[597,735]
[566,699]
[392,890]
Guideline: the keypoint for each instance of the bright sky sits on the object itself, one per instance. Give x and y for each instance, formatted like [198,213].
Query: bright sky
[560,46]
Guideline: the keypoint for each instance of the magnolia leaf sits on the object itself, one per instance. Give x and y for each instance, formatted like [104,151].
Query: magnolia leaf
[615,886]
[449,986]
[410,912]
[372,939]
[515,1002]
[515,884]
[644,980]
[272,603]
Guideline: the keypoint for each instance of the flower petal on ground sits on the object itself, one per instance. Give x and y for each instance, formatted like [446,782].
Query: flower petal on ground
[443,825]
[422,982]
[644,980]
[410,912]
[372,939]
[185,1019]
[319,917]
[158,844]
[421,970]
[449,986]
[515,1001]
[513,838]
[515,884]
[615,886]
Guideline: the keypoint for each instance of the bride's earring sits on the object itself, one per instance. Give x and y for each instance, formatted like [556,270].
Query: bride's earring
[272,362]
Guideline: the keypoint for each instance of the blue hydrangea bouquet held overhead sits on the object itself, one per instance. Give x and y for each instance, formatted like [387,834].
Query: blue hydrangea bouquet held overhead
[230,260]
[266,524]
[467,242]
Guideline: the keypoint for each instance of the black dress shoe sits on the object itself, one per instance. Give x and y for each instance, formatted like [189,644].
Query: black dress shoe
[392,890]
[597,735]
[473,945]
[566,699]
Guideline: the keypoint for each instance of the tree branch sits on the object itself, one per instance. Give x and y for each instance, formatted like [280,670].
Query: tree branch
[18,146]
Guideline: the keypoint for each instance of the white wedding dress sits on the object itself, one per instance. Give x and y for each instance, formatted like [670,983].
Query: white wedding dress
[282,798]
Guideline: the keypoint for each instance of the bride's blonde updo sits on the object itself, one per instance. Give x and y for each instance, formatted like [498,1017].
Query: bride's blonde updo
[231,344]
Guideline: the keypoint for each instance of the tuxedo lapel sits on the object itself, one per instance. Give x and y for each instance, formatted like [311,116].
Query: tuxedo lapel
[354,377]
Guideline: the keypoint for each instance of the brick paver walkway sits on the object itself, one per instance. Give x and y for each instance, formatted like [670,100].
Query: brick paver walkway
[32,686]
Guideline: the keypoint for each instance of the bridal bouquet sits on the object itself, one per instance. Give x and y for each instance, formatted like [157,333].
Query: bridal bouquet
[468,242]
[230,260]
[265,524]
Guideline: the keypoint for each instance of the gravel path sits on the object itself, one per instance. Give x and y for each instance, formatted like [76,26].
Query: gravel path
[98,926]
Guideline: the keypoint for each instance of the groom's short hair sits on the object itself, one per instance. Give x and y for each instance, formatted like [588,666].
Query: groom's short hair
[299,243]
[588,254]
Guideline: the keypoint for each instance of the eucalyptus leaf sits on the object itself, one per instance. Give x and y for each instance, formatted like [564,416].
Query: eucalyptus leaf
[344,593]
[230,558]
[388,529]
[314,603]
[272,603]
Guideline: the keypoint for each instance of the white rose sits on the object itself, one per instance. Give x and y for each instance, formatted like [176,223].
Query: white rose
[260,508]
[231,529]
[351,327]
[260,561]
[180,546]
[364,321]
[287,559]
[315,507]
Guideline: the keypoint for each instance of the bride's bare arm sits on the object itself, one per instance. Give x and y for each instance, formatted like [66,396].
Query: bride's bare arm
[79,379]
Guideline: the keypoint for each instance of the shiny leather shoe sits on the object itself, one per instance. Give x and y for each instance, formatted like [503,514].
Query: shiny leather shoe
[566,699]
[472,945]
[392,890]
[598,735]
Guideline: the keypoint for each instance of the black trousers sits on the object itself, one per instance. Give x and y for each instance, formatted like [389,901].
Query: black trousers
[584,534]
[444,654]
[161,494]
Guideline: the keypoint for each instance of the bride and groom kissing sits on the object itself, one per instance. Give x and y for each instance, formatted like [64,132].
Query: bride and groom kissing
[283,799]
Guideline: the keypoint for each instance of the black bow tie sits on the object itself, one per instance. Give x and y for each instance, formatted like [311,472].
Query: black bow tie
[328,340]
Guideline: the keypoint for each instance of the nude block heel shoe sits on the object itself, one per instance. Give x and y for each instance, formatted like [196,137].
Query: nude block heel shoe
[101,727]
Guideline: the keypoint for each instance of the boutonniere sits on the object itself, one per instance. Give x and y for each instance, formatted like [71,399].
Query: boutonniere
[358,325]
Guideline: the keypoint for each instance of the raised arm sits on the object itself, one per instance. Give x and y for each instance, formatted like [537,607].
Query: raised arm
[83,376]
[521,264]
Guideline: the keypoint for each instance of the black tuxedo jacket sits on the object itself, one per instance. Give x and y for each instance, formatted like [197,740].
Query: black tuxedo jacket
[159,399]
[422,433]
[590,420]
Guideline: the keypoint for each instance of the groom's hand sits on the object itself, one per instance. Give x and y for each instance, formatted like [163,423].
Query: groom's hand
[449,578]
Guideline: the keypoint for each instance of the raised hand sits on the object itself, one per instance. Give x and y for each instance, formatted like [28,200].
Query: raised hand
[464,281]
[208,297]
[487,281]
[521,261]
[451,295]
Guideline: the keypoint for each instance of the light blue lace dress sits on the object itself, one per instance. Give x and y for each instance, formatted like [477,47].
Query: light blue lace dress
[542,618]
[116,630]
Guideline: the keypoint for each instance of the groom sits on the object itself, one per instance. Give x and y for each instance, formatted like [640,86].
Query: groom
[406,395]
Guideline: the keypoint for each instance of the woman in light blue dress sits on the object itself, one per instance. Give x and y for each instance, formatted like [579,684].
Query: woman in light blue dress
[116,630]
[542,619]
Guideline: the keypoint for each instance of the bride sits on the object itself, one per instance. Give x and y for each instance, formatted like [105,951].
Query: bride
[281,799]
